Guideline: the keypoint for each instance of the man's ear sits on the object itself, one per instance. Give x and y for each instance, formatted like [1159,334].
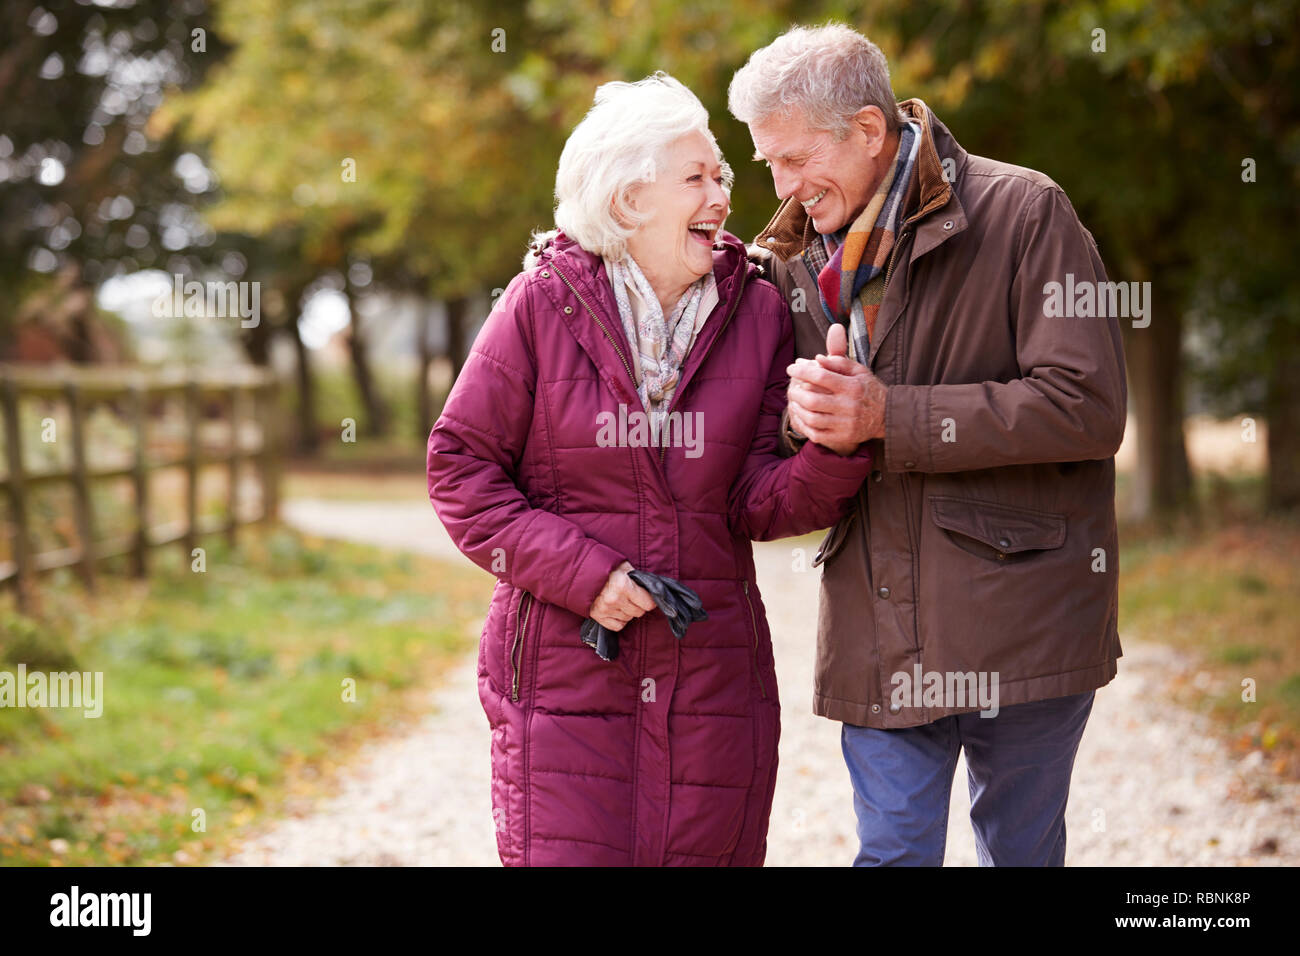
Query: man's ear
[871,121]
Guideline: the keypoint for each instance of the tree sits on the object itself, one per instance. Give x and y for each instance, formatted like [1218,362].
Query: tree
[85,192]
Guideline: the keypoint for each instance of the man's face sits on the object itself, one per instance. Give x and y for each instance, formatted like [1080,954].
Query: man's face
[833,180]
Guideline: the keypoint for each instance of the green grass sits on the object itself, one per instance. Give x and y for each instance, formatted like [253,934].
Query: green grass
[1229,595]
[223,691]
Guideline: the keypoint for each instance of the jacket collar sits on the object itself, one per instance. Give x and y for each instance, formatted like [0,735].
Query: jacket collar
[790,230]
[608,346]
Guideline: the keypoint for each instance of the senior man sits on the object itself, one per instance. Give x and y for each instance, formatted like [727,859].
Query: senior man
[968,600]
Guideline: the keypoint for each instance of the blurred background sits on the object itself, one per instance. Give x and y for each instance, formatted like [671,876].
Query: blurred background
[245,246]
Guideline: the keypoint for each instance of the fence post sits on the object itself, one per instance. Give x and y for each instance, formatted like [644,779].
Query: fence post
[140,481]
[81,487]
[17,495]
[191,538]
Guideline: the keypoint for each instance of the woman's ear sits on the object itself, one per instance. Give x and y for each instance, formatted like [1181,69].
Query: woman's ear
[629,203]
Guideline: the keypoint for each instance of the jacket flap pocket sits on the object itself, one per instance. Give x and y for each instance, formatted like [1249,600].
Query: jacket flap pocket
[1006,529]
[835,538]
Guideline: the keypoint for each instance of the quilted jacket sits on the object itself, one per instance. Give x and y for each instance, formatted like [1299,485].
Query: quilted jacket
[667,755]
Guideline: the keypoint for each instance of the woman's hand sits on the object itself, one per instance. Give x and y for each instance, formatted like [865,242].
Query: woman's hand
[620,600]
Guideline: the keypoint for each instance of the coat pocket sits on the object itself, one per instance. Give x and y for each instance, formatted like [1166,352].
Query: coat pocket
[835,538]
[997,532]
[517,643]
[753,623]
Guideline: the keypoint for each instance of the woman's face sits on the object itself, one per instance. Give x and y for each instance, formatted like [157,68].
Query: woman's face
[685,207]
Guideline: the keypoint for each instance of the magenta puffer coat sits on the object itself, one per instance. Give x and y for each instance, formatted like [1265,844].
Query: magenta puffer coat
[666,755]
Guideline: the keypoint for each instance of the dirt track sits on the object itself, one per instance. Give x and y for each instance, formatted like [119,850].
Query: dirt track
[1151,785]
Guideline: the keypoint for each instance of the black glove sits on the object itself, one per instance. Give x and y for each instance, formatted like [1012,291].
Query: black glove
[601,638]
[679,603]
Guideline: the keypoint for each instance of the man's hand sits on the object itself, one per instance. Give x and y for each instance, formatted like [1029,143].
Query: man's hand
[620,600]
[835,401]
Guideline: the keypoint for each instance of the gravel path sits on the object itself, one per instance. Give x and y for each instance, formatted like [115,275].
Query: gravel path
[1151,787]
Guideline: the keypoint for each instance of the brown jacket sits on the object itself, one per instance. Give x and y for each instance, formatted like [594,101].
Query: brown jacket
[984,545]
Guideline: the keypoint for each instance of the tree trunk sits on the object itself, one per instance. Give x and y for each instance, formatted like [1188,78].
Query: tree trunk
[1162,483]
[377,417]
[423,400]
[1283,410]
[257,343]
[79,299]
[308,437]
[456,310]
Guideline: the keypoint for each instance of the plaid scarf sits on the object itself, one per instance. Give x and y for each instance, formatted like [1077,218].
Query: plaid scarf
[661,343]
[849,265]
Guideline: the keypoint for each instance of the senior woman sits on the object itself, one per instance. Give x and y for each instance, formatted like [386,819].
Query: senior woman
[548,469]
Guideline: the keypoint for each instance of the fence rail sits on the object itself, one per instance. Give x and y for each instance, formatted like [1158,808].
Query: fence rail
[251,394]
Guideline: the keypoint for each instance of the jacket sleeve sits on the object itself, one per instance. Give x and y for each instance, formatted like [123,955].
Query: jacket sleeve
[789,439]
[776,496]
[1069,403]
[473,460]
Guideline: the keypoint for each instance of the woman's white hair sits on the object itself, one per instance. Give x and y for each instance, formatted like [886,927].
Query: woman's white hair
[825,74]
[618,144]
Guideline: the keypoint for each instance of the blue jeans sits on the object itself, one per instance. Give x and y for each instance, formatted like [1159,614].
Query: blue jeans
[1019,765]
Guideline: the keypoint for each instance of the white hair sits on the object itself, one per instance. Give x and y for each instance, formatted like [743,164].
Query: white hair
[825,74]
[618,144]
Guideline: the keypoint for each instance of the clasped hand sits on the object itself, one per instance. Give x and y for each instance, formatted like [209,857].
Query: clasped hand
[836,402]
[620,600]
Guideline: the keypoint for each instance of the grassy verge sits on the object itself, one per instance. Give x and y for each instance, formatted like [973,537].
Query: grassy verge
[1229,595]
[225,691]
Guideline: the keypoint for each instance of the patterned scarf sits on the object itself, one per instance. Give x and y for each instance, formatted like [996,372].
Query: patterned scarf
[849,265]
[661,343]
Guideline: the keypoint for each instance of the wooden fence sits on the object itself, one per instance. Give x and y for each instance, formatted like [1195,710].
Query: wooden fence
[250,395]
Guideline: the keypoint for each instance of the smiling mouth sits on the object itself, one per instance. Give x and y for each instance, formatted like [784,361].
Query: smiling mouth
[808,204]
[705,230]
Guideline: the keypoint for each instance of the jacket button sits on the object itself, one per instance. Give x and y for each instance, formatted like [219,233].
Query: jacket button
[948,224]
[875,708]
[1002,555]
[568,310]
[884,593]
[546,273]
[909,464]
[1004,543]
[877,476]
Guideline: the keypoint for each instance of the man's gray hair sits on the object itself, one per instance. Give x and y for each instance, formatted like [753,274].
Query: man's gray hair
[825,74]
[619,143]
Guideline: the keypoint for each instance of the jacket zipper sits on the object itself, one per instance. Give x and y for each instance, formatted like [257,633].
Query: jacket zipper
[753,622]
[893,256]
[907,497]
[744,274]
[592,312]
[516,654]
